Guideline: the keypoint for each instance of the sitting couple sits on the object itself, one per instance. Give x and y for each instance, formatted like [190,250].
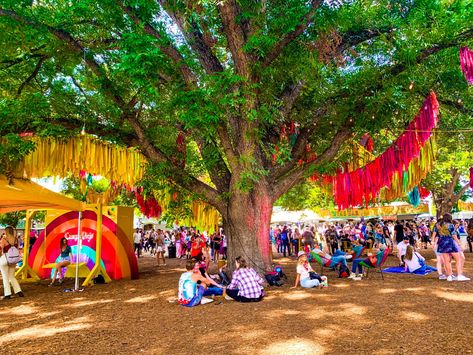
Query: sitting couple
[246,284]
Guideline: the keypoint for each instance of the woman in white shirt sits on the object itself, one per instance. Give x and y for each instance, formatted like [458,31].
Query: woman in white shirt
[413,261]
[303,272]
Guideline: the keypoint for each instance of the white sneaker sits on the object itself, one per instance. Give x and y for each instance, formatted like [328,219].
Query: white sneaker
[352,276]
[463,278]
[206,300]
[450,278]
[442,277]
[358,278]
[228,298]
[360,275]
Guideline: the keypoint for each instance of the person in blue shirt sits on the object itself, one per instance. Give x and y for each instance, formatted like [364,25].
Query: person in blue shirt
[284,237]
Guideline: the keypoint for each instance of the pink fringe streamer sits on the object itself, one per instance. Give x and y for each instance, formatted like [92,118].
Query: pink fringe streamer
[466,62]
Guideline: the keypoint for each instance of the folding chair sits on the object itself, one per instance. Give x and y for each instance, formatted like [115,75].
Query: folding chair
[381,257]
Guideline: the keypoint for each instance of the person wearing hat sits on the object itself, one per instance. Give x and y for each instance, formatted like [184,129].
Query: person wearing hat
[303,272]
[401,249]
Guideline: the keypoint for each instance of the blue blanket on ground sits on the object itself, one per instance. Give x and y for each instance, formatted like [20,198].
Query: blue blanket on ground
[400,270]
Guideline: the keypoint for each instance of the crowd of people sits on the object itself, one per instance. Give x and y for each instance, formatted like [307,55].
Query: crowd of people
[187,242]
[334,243]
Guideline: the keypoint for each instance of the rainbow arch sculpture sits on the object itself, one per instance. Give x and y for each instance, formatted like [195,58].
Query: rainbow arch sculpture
[117,256]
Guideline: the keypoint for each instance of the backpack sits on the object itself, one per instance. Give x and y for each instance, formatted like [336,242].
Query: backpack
[13,255]
[273,279]
[343,271]
[280,272]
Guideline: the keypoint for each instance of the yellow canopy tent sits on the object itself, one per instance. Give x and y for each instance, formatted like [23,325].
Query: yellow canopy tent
[27,195]
[21,194]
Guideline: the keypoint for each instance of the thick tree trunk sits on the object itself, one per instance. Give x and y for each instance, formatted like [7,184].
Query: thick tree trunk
[443,207]
[246,226]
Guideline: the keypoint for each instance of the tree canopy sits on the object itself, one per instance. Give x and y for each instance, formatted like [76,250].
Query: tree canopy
[235,101]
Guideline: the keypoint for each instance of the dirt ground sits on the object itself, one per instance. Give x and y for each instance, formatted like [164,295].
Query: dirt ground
[402,314]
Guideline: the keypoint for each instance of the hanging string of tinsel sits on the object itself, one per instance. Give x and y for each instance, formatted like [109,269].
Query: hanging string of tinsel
[86,156]
[392,168]
[61,157]
[466,63]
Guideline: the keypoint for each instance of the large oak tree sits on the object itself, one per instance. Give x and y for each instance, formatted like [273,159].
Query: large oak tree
[206,89]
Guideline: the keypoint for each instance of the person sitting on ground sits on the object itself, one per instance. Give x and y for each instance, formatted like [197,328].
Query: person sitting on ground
[370,261]
[246,284]
[64,260]
[304,271]
[414,261]
[214,288]
[192,286]
[401,249]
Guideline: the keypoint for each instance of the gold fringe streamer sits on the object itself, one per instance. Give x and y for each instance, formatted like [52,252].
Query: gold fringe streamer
[54,157]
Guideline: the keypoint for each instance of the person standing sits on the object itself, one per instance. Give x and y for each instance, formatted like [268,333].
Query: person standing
[297,240]
[399,231]
[448,247]
[33,237]
[284,236]
[137,242]
[308,239]
[160,247]
[8,271]
[217,239]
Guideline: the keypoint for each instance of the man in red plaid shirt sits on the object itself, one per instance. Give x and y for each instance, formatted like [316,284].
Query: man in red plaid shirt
[246,285]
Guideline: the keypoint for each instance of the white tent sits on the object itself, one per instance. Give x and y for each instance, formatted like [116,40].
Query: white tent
[283,216]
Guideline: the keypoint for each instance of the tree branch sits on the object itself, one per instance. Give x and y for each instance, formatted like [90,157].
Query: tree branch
[23,57]
[352,39]
[289,97]
[460,193]
[229,10]
[298,174]
[200,43]
[179,175]
[288,38]
[170,51]
[35,72]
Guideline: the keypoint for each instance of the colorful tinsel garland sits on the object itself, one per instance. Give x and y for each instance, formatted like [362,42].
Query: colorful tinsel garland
[392,168]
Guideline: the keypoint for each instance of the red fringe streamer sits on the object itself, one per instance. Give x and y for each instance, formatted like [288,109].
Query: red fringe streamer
[149,207]
[361,186]
[466,62]
[423,192]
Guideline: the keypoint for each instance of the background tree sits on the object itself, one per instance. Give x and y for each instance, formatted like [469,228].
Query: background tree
[12,218]
[449,180]
[233,102]
[306,195]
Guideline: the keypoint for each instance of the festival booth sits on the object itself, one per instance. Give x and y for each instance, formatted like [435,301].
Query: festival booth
[105,246]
